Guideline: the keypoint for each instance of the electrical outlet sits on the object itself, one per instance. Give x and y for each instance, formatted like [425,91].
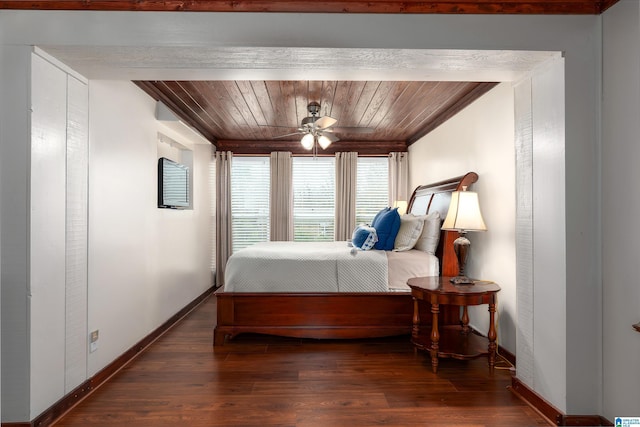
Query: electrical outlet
[93,341]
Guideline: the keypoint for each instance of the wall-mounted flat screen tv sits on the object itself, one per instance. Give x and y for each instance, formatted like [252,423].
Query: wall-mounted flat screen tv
[173,184]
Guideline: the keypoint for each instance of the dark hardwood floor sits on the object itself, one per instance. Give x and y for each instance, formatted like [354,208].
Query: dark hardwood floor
[181,380]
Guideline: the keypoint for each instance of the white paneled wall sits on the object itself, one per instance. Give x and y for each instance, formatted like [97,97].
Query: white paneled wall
[549,236]
[76,332]
[58,239]
[540,231]
[44,291]
[621,209]
[524,230]
[47,237]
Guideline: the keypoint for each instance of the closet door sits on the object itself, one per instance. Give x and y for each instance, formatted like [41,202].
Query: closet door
[47,235]
[58,236]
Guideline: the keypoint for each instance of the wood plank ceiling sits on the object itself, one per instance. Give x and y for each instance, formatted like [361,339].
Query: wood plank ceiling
[373,117]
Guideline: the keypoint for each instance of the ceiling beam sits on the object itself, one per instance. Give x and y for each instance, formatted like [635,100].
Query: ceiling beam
[545,7]
[367,148]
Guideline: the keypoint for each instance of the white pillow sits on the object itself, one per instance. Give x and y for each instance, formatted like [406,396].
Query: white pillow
[409,232]
[428,240]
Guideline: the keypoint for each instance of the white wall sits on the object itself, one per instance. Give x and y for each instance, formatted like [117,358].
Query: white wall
[621,208]
[481,139]
[145,263]
[550,332]
[15,146]
[1,126]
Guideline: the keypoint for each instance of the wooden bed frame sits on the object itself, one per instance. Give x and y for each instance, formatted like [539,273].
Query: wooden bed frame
[342,315]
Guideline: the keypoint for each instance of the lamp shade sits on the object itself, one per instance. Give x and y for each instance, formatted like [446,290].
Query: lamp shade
[401,205]
[464,213]
[324,141]
[307,141]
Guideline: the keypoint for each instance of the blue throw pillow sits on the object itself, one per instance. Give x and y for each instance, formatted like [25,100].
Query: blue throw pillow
[364,237]
[378,215]
[387,225]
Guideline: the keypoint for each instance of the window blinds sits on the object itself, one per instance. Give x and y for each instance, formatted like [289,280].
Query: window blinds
[249,201]
[313,198]
[372,188]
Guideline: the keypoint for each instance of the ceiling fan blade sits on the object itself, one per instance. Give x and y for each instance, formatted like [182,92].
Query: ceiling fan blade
[279,127]
[324,122]
[353,129]
[288,134]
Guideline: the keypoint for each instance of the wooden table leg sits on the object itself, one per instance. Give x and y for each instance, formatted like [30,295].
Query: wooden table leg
[492,335]
[465,320]
[415,330]
[435,336]
[416,320]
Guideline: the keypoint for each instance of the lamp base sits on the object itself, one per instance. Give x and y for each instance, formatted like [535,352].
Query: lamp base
[462,280]
[461,248]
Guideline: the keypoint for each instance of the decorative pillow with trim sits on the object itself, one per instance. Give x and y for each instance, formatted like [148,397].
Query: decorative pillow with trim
[410,231]
[387,224]
[428,240]
[364,237]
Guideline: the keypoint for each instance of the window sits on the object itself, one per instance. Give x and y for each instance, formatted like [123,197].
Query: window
[313,198]
[372,192]
[249,201]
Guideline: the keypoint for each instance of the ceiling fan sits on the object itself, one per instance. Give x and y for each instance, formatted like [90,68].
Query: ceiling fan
[320,130]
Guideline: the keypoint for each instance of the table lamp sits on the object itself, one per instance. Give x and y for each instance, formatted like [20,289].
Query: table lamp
[401,205]
[464,215]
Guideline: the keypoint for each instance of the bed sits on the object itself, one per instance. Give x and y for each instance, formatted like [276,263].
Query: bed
[337,312]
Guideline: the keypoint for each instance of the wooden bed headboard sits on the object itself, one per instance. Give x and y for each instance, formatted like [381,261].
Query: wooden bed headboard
[436,197]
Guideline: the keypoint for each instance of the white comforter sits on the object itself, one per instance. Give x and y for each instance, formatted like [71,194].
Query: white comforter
[322,267]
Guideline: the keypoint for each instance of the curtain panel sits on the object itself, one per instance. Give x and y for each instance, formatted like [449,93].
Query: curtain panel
[281,197]
[224,241]
[346,173]
[398,177]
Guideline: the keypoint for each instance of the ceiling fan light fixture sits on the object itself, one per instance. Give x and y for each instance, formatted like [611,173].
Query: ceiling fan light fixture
[307,141]
[324,141]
